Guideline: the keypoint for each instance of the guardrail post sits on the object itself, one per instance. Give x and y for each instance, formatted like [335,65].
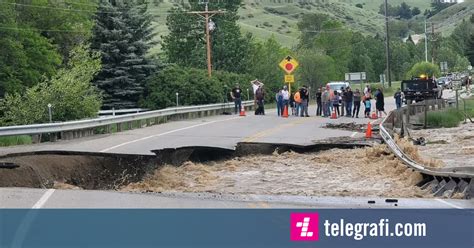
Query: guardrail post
[119,127]
[53,137]
[36,138]
[425,121]
[408,112]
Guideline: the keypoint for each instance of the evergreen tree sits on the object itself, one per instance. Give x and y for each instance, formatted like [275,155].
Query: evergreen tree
[123,36]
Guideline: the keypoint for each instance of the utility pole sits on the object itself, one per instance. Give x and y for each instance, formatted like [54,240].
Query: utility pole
[387,46]
[433,55]
[206,14]
[426,44]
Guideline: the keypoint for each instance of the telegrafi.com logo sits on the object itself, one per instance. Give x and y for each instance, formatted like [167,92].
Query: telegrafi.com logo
[304,226]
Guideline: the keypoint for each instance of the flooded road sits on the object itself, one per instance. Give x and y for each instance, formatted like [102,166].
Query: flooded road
[349,172]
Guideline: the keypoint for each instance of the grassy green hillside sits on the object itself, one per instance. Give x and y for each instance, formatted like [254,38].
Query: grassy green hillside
[264,18]
[446,20]
[374,5]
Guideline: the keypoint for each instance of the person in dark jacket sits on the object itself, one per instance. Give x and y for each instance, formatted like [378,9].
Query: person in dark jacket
[236,97]
[319,102]
[398,98]
[349,99]
[304,94]
[357,98]
[379,103]
[260,97]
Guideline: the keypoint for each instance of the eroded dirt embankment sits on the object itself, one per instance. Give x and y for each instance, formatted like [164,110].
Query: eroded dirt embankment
[72,171]
[337,172]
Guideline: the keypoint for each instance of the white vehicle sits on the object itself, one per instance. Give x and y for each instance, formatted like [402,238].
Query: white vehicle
[338,85]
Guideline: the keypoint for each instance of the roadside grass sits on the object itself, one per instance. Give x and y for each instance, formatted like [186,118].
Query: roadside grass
[451,117]
[15,140]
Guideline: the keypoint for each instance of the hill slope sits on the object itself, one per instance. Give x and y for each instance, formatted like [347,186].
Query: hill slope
[446,20]
[264,18]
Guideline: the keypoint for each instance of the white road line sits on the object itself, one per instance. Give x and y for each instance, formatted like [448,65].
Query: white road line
[449,204]
[354,134]
[43,199]
[165,133]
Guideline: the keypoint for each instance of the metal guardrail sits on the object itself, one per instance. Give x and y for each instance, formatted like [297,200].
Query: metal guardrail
[457,172]
[121,111]
[104,121]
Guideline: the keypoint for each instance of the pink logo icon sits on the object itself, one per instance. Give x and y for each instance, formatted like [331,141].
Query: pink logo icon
[304,226]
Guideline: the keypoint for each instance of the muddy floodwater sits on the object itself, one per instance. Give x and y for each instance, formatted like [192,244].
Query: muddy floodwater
[453,146]
[349,172]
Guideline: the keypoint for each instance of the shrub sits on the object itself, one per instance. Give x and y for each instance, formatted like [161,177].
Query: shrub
[447,118]
[70,92]
[425,68]
[193,85]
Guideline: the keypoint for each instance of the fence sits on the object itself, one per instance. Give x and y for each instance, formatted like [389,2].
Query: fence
[81,128]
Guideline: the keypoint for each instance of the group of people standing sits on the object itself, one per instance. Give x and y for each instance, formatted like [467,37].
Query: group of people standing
[343,102]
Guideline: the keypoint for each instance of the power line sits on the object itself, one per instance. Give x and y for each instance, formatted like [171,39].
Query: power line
[63,9]
[42,30]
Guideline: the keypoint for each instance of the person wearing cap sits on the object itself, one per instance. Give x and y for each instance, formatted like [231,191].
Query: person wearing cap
[236,94]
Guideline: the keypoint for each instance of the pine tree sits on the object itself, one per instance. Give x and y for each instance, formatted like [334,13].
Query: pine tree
[123,35]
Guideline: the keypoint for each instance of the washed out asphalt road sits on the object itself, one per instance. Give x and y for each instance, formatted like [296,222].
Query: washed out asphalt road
[220,131]
[217,131]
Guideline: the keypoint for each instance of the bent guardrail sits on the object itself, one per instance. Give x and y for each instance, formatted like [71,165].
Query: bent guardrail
[442,181]
[81,128]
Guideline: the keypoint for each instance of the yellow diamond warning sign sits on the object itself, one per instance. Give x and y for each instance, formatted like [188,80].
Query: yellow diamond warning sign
[288,64]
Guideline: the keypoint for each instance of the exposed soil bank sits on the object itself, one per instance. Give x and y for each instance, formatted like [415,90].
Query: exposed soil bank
[68,171]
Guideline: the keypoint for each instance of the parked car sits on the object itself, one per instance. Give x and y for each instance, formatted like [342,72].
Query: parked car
[338,85]
[444,82]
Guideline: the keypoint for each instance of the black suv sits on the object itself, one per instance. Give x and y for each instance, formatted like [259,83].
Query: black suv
[419,89]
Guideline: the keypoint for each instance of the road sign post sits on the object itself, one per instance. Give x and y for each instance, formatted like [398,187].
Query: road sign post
[289,65]
[355,77]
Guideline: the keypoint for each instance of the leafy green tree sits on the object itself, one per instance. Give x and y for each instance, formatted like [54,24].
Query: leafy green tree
[193,85]
[360,56]
[70,92]
[26,56]
[123,36]
[404,11]
[264,65]
[185,44]
[415,11]
[65,24]
[424,68]
[470,50]
[316,68]
[400,59]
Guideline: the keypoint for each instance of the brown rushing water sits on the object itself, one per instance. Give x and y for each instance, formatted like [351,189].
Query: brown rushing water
[336,172]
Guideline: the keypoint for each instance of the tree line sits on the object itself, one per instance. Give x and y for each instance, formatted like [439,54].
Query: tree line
[85,55]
